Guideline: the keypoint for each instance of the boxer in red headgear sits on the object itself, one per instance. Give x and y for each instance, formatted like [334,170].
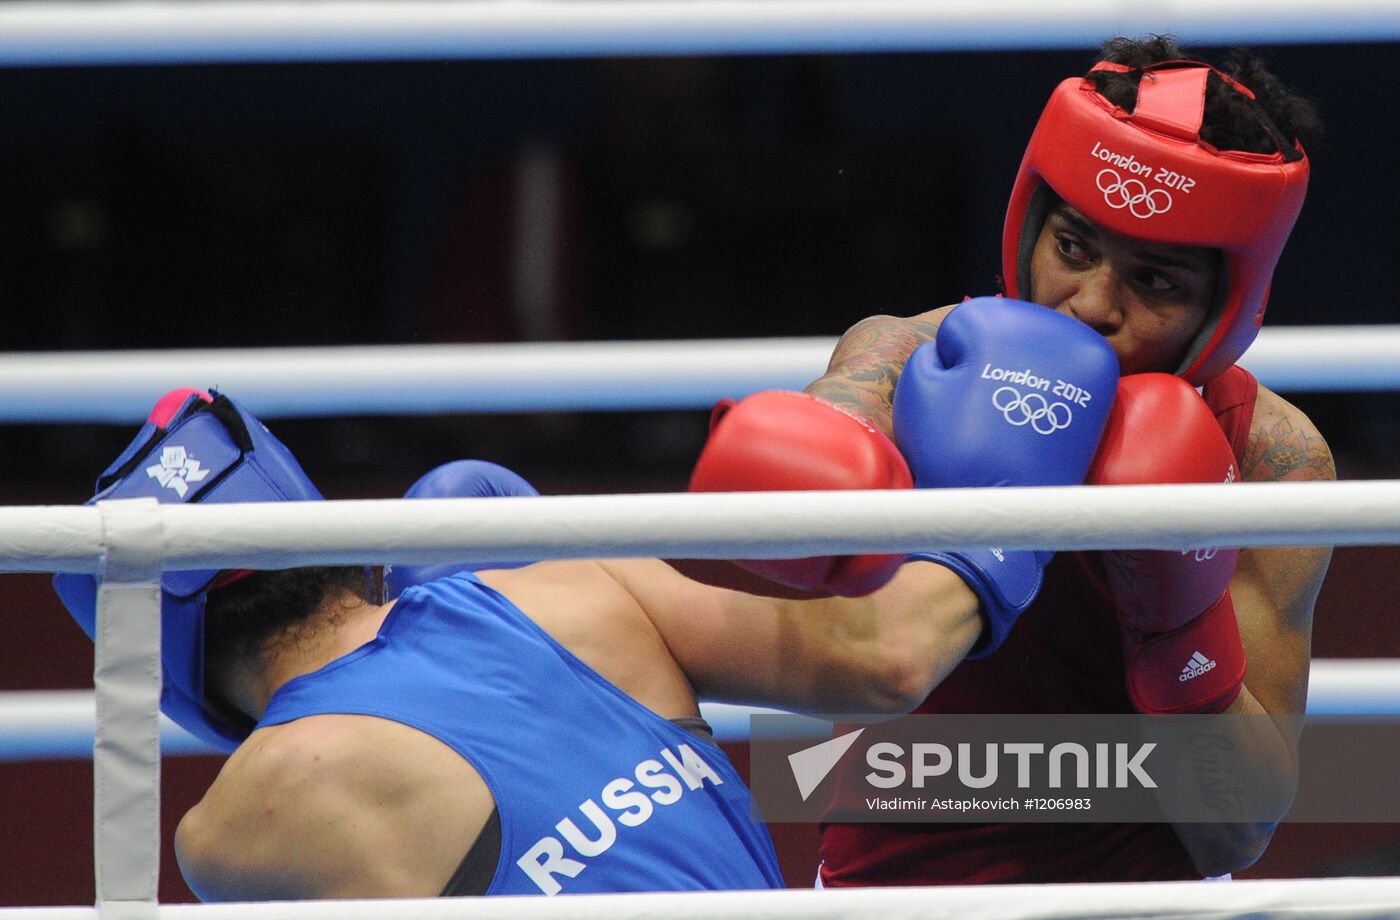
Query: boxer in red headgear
[1152,204]
[1151,174]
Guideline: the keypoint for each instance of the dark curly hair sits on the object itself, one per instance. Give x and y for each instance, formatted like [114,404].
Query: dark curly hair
[1232,122]
[251,615]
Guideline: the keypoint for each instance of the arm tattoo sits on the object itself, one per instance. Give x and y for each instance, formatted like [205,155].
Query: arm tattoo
[1286,451]
[866,365]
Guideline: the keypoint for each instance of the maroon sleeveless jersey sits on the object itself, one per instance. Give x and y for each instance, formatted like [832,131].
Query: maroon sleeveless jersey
[1063,656]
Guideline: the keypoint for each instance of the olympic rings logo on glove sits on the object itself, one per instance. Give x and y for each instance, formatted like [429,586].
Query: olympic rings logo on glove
[1132,194]
[1032,409]
[1202,555]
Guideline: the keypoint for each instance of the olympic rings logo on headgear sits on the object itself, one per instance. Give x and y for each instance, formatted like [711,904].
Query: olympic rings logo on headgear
[1032,409]
[1202,555]
[1132,194]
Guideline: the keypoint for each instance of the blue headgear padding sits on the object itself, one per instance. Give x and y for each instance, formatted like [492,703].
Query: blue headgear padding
[204,451]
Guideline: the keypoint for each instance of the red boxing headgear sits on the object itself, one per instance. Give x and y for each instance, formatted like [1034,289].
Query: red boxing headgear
[1149,176]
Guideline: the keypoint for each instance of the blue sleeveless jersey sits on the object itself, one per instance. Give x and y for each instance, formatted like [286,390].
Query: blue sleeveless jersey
[595,792]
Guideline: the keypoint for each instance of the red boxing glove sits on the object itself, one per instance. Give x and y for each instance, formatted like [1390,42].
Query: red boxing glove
[1181,643]
[779,440]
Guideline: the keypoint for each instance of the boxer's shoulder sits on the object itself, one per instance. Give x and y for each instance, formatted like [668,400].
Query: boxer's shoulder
[401,803]
[1284,444]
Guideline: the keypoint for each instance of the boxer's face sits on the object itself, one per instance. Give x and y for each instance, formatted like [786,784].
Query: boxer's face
[1147,299]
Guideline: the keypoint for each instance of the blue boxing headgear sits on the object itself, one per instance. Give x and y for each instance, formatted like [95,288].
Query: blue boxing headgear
[195,447]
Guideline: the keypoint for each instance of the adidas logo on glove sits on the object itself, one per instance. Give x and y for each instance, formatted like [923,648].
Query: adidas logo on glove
[1197,665]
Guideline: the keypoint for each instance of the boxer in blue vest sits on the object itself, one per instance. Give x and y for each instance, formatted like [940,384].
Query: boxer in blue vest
[532,730]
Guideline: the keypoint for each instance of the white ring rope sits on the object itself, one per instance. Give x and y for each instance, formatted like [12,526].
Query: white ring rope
[411,379]
[275,535]
[47,33]
[59,724]
[562,376]
[1295,899]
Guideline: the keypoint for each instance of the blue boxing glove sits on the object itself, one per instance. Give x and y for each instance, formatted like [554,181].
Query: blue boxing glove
[459,479]
[1009,394]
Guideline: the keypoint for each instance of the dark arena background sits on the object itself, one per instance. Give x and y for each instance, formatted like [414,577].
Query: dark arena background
[367,203]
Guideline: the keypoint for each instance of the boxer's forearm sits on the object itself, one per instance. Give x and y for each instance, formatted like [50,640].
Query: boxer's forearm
[866,364]
[1253,767]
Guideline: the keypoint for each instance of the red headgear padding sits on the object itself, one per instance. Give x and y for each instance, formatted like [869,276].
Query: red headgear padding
[1149,176]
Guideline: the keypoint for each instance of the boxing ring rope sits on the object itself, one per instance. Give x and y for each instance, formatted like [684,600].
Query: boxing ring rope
[130,542]
[59,724]
[277,535]
[556,377]
[68,33]
[1301,898]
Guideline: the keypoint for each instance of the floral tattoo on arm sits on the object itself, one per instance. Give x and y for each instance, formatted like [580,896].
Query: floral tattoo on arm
[866,366]
[1285,451]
